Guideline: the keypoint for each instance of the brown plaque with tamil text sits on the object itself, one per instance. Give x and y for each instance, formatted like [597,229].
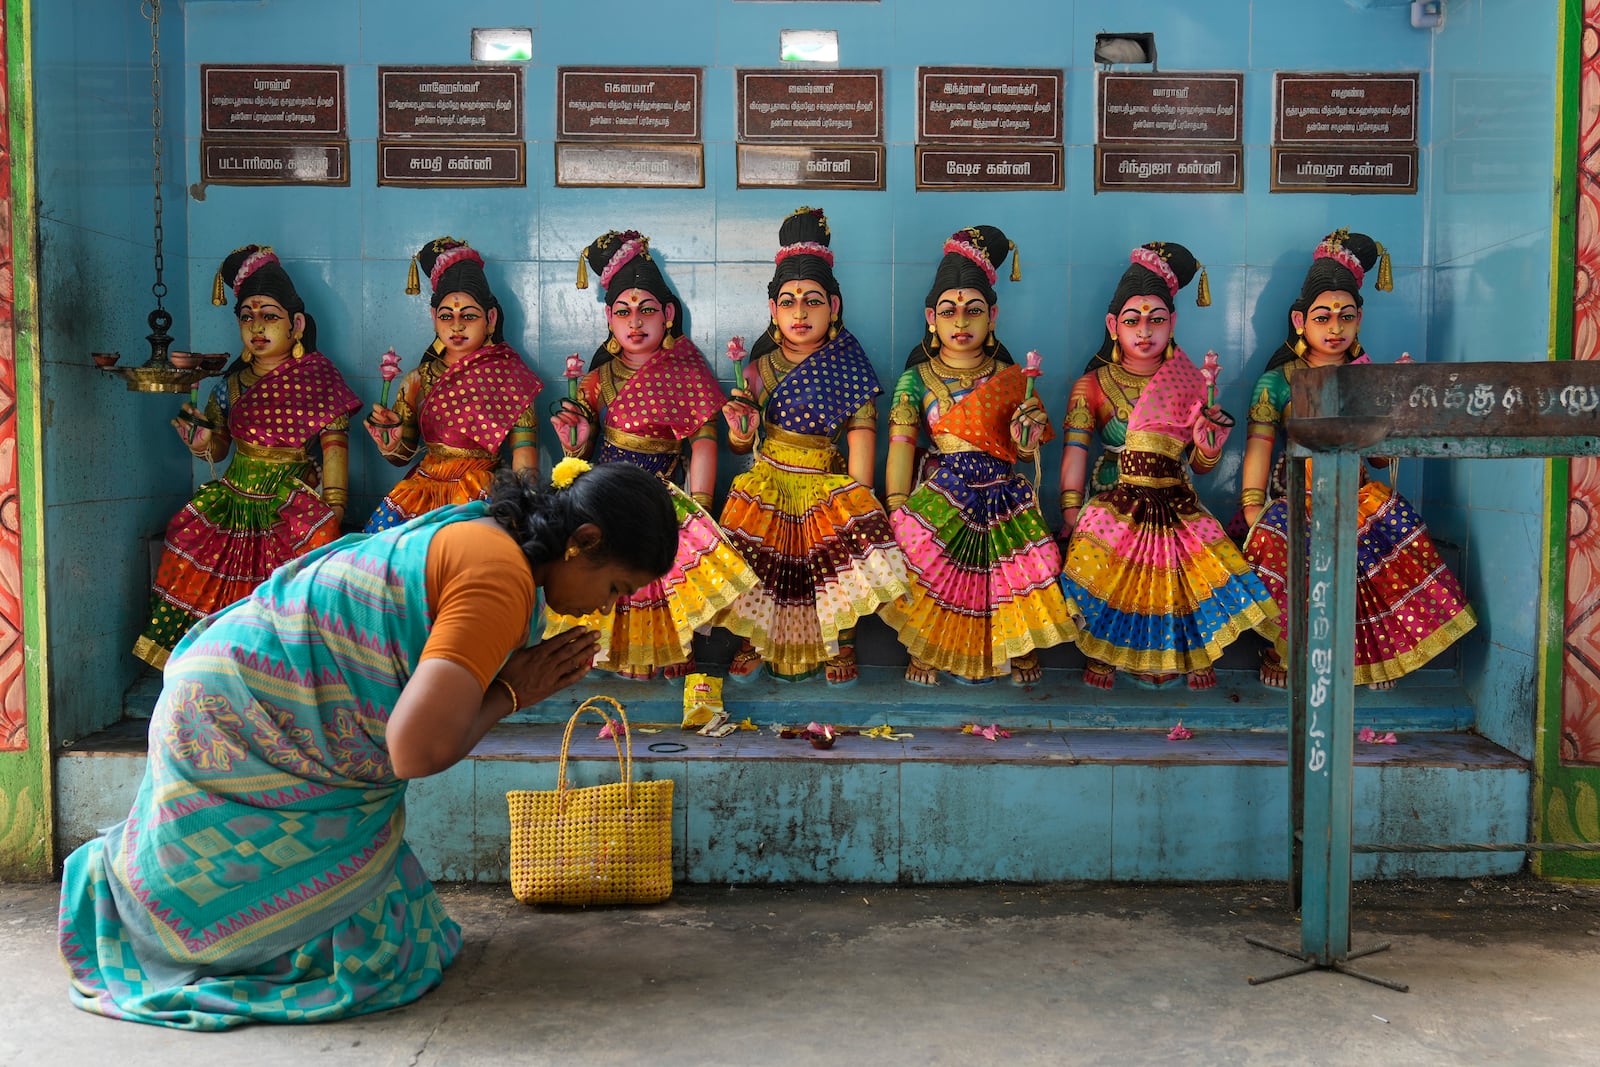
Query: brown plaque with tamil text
[274,162]
[435,163]
[628,103]
[450,102]
[1197,106]
[989,104]
[299,101]
[822,106]
[659,166]
[1346,109]
[1168,169]
[795,166]
[1344,170]
[990,167]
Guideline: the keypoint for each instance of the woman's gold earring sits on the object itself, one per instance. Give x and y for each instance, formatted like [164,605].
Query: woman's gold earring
[933,338]
[572,552]
[1116,352]
[612,346]
[775,333]
[298,350]
[1299,340]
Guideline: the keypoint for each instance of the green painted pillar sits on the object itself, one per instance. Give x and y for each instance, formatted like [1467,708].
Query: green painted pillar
[26,789]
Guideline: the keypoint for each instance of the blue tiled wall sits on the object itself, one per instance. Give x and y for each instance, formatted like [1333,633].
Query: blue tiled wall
[348,247]
[1489,218]
[113,470]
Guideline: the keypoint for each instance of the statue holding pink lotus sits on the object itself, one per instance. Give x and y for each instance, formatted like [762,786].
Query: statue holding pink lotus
[469,400]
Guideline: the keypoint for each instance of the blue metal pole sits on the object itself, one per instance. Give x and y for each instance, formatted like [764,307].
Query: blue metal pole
[1324,664]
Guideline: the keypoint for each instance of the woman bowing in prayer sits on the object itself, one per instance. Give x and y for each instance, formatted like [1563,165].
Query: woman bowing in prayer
[262,874]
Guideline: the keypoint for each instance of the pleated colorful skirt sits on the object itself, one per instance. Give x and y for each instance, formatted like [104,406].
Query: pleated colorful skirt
[1409,607]
[984,570]
[442,477]
[1154,582]
[227,540]
[823,551]
[655,627]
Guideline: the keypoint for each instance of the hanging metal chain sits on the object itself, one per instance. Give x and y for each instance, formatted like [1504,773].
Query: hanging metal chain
[151,9]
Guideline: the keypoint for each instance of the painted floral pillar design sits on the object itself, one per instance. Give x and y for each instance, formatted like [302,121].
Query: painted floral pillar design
[13,703]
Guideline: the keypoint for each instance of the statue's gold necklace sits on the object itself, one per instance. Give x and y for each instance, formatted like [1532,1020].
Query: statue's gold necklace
[963,377]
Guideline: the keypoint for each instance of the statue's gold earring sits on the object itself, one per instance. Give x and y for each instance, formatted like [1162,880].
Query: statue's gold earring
[933,337]
[612,346]
[298,350]
[1299,340]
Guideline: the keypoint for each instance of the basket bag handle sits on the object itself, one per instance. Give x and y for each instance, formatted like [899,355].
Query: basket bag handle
[624,761]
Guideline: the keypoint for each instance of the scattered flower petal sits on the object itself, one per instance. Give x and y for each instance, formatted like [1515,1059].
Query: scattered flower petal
[1179,732]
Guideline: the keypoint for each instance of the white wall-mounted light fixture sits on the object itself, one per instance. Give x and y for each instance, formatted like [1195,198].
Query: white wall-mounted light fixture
[819,47]
[1427,14]
[1122,49]
[503,44]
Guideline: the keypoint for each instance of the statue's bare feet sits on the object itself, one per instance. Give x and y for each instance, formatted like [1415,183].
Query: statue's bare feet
[841,668]
[746,661]
[678,670]
[1274,675]
[1388,683]
[1025,670]
[920,673]
[640,674]
[1205,679]
[1099,675]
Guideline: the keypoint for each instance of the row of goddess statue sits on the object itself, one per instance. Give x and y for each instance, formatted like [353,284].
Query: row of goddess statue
[956,557]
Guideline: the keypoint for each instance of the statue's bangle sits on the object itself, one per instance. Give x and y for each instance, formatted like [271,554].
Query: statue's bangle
[894,500]
[703,499]
[1252,498]
[1071,498]
[335,498]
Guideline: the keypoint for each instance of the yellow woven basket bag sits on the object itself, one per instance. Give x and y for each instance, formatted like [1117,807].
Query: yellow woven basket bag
[603,844]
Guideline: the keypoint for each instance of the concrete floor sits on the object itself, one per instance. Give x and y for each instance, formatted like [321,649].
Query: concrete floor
[1501,970]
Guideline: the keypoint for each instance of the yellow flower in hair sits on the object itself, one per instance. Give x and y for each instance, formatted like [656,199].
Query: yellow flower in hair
[567,471]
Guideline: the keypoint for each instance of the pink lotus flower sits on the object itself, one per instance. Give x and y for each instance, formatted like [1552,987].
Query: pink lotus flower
[1209,370]
[1405,357]
[574,367]
[736,350]
[388,370]
[1032,363]
[1179,732]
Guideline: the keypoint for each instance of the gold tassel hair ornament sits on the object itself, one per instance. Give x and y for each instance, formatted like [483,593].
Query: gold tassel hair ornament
[413,282]
[583,270]
[1385,271]
[1016,262]
[1202,296]
[218,290]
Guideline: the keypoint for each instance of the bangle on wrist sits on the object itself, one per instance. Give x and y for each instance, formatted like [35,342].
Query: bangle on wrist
[516,701]
[1071,498]
[1252,497]
[894,500]
[703,499]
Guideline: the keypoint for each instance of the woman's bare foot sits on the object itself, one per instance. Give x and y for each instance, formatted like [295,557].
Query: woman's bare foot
[920,673]
[1274,675]
[1025,670]
[1099,675]
[841,668]
[1205,679]
[678,670]
[746,661]
[1379,687]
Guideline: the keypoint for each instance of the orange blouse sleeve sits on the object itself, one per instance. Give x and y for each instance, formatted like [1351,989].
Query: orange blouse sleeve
[481,595]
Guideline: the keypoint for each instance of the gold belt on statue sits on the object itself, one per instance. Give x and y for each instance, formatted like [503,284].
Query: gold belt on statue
[812,441]
[450,452]
[271,455]
[949,443]
[637,443]
[1159,443]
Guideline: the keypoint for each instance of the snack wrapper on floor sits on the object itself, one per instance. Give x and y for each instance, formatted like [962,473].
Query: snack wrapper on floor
[702,700]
